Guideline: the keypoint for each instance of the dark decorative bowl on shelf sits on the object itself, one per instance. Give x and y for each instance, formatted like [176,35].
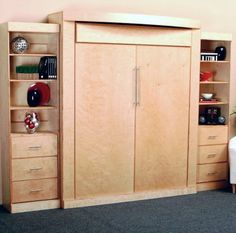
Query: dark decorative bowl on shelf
[38,94]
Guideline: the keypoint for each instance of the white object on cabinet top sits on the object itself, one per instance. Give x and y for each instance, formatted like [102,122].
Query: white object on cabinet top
[128,18]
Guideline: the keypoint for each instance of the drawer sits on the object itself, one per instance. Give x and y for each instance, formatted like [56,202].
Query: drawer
[34,190]
[34,168]
[212,154]
[210,135]
[33,145]
[212,172]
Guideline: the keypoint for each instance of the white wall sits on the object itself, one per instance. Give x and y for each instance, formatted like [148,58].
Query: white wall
[215,15]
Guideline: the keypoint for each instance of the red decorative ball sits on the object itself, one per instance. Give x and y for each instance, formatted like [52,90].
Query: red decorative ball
[31,125]
[27,121]
[31,122]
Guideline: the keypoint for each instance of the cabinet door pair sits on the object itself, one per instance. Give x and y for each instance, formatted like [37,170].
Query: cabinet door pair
[122,147]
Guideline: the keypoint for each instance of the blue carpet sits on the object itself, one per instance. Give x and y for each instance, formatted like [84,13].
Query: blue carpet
[205,212]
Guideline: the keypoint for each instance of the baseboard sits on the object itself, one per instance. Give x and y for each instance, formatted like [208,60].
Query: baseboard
[126,198]
[35,206]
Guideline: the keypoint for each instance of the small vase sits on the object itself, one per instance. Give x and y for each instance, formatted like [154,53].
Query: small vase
[221,51]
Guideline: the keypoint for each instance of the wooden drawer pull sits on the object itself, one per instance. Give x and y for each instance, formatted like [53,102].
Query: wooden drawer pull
[36,169]
[211,173]
[36,190]
[211,155]
[213,137]
[34,147]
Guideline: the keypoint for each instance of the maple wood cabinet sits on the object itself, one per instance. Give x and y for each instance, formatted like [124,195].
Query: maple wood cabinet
[130,129]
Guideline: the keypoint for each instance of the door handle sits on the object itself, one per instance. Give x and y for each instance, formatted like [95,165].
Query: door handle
[135,86]
[211,155]
[138,85]
[212,137]
[35,169]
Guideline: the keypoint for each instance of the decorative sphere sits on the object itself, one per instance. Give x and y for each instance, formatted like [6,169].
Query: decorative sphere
[19,45]
[27,121]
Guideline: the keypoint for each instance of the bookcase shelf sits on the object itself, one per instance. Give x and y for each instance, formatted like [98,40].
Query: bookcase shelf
[32,55]
[32,108]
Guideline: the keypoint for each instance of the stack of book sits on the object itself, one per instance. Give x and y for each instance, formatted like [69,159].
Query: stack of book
[48,68]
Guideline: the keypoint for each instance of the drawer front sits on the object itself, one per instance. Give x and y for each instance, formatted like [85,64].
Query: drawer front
[210,135]
[132,34]
[34,168]
[212,154]
[212,172]
[34,145]
[34,190]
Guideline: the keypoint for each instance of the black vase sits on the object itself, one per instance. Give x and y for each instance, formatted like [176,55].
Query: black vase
[221,50]
[33,98]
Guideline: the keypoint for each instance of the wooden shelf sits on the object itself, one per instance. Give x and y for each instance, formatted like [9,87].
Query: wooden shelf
[213,82]
[214,103]
[33,80]
[25,134]
[215,62]
[32,55]
[32,108]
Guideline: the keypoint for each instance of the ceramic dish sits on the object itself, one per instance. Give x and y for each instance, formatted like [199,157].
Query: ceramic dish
[44,91]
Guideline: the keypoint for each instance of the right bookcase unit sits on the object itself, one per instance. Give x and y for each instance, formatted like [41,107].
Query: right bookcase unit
[212,168]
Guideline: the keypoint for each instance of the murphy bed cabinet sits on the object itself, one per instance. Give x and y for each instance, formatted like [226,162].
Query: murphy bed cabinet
[29,161]
[130,106]
[212,168]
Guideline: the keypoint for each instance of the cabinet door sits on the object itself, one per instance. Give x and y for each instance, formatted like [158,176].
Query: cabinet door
[104,119]
[162,117]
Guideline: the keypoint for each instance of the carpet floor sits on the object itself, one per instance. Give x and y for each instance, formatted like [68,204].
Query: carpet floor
[205,212]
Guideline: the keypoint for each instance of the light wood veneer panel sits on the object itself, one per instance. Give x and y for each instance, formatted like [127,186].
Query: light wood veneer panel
[5,116]
[162,118]
[37,145]
[193,109]
[104,119]
[213,134]
[212,172]
[33,27]
[80,15]
[130,34]
[212,154]
[33,190]
[35,168]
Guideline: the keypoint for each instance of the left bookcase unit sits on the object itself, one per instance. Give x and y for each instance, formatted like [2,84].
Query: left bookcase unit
[30,160]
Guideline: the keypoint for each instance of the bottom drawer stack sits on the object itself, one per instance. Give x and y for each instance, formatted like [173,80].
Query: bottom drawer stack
[212,168]
[34,167]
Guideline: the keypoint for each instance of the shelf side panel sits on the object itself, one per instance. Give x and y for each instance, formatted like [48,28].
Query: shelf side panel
[5,116]
[67,120]
[193,125]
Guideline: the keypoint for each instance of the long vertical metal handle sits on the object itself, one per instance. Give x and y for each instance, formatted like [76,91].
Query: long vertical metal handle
[138,85]
[135,87]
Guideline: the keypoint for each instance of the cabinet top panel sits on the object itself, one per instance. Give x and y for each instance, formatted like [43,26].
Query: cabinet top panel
[32,27]
[127,18]
[216,36]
